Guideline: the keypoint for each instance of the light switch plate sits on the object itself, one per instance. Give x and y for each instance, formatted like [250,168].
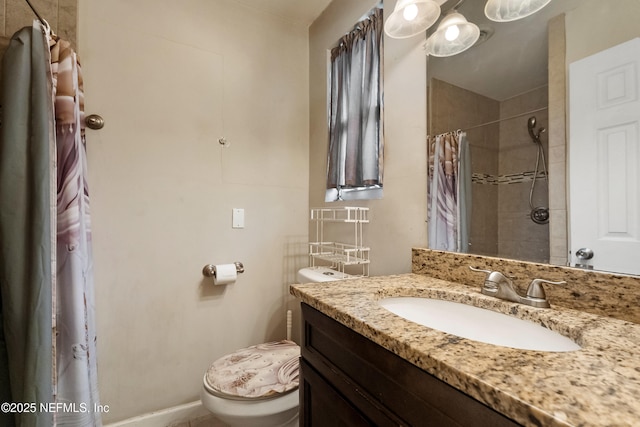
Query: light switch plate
[237,218]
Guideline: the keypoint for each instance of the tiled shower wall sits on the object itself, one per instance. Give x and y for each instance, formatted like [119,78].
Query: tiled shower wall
[453,108]
[557,134]
[500,223]
[518,236]
[62,16]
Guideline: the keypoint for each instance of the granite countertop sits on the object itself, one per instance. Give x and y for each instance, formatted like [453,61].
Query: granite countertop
[597,385]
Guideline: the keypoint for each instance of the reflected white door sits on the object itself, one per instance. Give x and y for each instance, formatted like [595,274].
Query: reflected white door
[604,158]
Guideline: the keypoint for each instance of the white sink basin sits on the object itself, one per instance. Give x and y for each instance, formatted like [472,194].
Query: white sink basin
[478,324]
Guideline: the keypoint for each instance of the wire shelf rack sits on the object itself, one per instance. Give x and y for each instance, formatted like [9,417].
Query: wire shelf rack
[339,255]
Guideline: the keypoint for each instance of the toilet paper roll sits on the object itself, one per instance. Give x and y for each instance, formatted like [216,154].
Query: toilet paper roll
[225,274]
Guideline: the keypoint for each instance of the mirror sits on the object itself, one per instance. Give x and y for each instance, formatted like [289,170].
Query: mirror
[492,91]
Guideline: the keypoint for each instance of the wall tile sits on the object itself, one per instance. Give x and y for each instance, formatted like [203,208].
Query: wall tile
[557,139]
[60,14]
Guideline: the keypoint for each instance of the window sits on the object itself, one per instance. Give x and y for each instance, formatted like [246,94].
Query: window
[355,155]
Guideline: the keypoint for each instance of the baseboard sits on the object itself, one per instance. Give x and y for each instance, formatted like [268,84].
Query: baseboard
[165,417]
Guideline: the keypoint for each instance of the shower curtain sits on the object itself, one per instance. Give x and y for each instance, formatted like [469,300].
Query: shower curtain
[27,227]
[449,192]
[46,277]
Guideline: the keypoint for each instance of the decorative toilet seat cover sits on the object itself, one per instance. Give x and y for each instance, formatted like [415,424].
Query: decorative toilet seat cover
[259,371]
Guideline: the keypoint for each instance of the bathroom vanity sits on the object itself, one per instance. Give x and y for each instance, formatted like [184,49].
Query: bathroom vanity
[363,365]
[349,380]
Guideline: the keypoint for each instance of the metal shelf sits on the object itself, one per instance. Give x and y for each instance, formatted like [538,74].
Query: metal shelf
[346,214]
[337,254]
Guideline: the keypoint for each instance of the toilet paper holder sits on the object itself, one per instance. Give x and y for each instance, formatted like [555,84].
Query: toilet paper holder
[209,270]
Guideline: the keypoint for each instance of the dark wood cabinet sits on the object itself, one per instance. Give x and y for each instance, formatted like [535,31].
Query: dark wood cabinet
[348,380]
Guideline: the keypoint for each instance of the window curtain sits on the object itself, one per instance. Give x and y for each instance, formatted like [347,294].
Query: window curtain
[449,192]
[355,155]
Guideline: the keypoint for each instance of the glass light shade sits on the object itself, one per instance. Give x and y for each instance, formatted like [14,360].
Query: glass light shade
[411,17]
[454,35]
[511,10]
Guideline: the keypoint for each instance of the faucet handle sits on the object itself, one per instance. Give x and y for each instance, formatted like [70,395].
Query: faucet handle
[535,289]
[493,278]
[480,270]
[488,278]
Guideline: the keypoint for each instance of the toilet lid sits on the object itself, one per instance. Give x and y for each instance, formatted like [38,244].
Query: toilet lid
[259,371]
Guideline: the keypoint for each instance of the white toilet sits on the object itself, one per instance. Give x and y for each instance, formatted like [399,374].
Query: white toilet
[320,274]
[234,389]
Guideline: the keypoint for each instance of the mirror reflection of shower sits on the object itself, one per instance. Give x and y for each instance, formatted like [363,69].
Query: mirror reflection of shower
[539,214]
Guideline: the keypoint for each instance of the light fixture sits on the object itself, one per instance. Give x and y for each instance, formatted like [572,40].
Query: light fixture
[411,17]
[454,35]
[511,10]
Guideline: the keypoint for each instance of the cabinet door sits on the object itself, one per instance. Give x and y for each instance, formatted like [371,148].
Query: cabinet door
[322,405]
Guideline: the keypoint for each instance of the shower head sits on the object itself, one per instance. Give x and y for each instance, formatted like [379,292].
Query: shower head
[531,124]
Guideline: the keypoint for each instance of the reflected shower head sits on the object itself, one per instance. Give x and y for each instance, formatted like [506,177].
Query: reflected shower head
[531,124]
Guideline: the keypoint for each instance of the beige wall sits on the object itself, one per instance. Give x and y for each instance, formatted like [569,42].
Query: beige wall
[397,220]
[170,78]
[595,26]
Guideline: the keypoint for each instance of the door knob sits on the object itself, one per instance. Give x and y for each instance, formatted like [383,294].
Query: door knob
[94,121]
[584,253]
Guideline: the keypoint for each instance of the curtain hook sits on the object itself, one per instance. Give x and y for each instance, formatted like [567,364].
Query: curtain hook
[47,27]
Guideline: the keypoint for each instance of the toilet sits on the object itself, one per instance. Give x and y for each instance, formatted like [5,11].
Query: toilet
[254,386]
[258,385]
[320,274]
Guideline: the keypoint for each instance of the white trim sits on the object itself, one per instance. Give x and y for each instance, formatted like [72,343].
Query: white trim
[165,417]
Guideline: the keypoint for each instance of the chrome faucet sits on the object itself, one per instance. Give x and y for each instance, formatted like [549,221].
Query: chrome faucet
[500,286]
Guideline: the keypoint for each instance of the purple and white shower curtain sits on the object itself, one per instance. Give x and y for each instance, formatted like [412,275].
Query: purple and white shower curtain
[448,192]
[75,349]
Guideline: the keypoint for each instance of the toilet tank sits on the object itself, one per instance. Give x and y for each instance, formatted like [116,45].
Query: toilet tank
[320,274]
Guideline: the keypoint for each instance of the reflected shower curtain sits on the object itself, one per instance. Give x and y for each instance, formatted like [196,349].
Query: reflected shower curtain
[46,277]
[448,192]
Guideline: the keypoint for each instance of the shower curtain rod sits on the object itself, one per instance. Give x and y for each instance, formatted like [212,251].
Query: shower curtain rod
[506,118]
[36,13]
